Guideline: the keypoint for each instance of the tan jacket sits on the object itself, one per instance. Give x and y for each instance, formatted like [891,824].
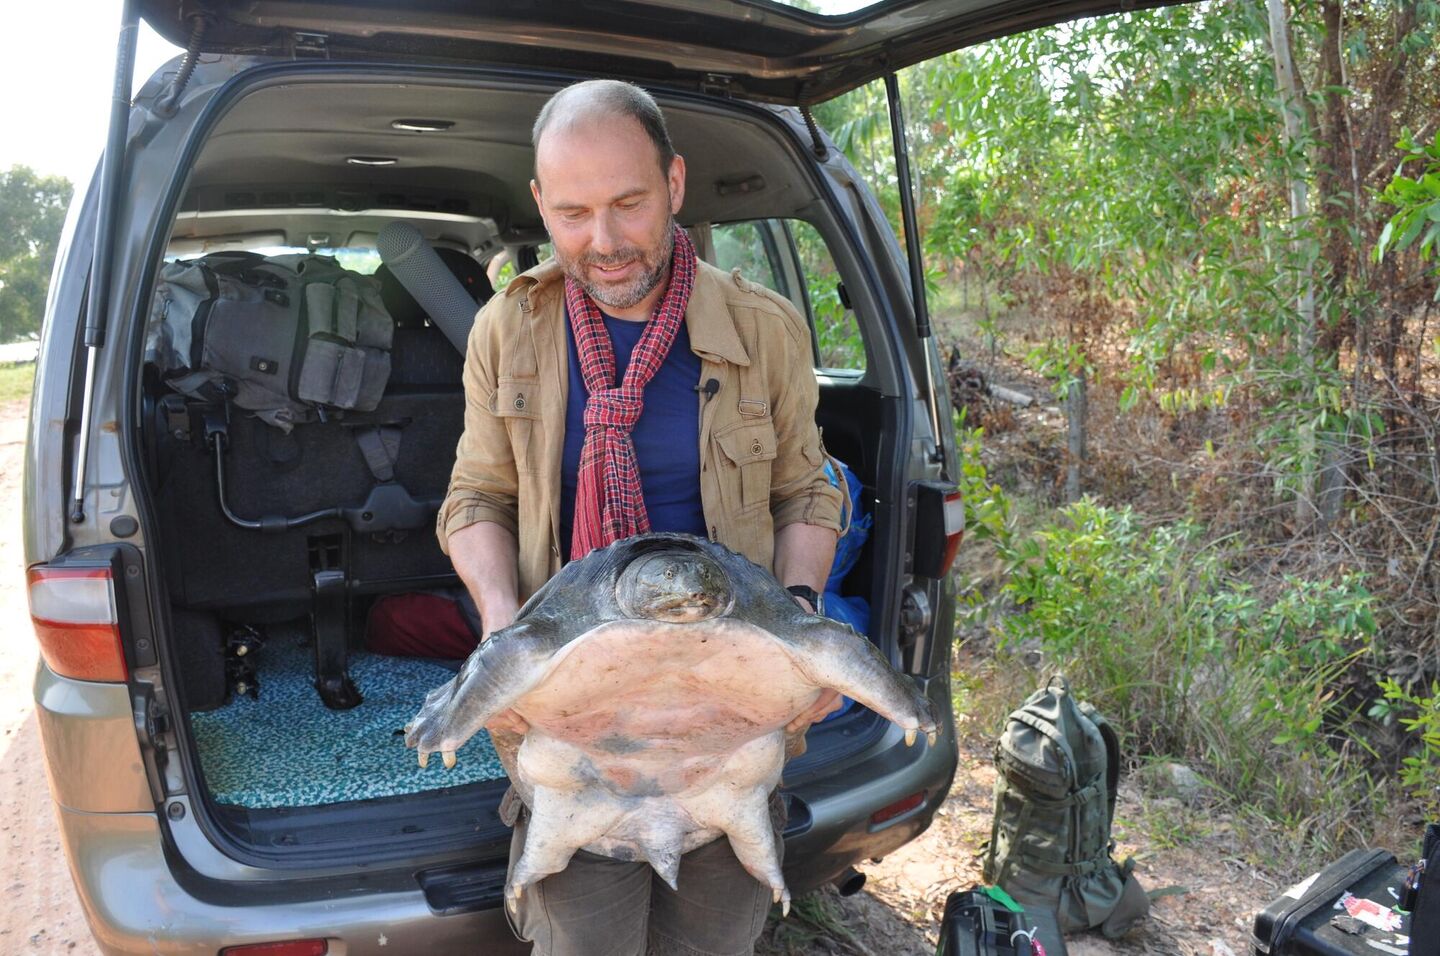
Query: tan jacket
[761,462]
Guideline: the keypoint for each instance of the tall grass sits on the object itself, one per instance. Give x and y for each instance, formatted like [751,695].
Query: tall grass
[1251,681]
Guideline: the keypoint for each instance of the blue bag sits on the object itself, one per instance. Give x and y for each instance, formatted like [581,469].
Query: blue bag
[853,610]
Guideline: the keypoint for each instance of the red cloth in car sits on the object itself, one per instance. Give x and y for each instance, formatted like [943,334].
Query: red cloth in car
[419,625]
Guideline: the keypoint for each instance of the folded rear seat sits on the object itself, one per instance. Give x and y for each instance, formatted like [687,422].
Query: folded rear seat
[320,568]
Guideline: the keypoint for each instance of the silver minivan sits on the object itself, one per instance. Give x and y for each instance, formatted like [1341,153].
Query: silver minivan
[224,753]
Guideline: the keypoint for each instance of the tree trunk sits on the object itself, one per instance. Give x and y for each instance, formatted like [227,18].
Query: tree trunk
[1293,113]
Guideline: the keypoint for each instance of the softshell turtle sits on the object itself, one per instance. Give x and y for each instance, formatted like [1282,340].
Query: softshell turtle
[657,677]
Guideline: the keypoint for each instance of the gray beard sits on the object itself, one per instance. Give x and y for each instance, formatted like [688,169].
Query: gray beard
[630,295]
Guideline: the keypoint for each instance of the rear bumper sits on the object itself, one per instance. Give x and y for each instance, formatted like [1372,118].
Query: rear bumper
[840,833]
[135,905]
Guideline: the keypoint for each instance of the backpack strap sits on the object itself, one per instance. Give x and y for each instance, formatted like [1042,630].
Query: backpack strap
[1112,758]
[232,263]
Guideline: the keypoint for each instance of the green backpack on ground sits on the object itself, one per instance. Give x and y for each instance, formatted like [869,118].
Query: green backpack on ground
[1057,764]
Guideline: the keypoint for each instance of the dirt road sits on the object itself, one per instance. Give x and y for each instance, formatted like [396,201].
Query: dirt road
[39,912]
[896,915]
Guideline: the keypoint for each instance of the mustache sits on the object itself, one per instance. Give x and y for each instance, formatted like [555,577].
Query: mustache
[616,258]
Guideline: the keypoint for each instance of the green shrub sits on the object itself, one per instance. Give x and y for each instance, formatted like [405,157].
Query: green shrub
[1191,661]
[1420,769]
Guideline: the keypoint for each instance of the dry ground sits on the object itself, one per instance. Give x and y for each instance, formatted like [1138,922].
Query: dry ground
[897,914]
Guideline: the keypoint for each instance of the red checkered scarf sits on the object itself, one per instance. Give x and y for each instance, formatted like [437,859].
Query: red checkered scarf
[609,502]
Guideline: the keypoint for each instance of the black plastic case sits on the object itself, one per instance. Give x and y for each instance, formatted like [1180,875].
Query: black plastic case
[976,925]
[1311,920]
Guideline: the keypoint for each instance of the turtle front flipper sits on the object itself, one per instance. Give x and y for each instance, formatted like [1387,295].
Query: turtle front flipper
[833,655]
[495,676]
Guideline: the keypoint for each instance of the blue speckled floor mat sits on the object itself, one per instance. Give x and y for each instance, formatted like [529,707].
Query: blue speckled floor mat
[288,750]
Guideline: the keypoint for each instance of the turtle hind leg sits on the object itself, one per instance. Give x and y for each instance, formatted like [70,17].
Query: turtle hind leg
[743,814]
[736,802]
[561,822]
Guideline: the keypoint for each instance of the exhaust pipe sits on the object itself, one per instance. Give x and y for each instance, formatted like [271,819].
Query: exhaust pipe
[850,882]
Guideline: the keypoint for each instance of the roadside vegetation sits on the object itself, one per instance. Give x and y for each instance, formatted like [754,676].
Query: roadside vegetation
[16,381]
[32,213]
[1205,239]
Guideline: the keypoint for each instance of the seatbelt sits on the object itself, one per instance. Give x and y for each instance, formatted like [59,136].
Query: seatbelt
[380,444]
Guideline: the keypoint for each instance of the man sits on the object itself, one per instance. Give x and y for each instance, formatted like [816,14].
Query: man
[621,387]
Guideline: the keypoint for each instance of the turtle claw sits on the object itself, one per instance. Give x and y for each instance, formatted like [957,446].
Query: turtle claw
[424,758]
[910,736]
[448,756]
[931,736]
[781,895]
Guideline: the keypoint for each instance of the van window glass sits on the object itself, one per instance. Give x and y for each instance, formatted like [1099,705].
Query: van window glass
[355,258]
[501,270]
[829,8]
[770,252]
[837,333]
[742,245]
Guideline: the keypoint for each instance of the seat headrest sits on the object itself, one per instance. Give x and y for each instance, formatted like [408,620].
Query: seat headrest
[408,313]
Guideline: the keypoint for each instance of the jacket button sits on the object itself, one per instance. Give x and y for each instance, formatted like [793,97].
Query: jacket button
[756,448]
[520,402]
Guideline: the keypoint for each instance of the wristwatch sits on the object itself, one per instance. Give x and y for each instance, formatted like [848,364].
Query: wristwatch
[816,599]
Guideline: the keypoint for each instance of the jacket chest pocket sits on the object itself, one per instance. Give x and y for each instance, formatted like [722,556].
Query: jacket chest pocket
[516,402]
[747,451]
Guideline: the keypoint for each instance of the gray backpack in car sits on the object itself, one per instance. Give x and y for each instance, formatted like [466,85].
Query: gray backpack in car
[1057,764]
[286,337]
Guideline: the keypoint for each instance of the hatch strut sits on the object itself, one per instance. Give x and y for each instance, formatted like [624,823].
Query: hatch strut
[915,254]
[111,172]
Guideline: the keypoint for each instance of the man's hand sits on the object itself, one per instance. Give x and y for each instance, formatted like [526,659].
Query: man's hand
[508,720]
[828,702]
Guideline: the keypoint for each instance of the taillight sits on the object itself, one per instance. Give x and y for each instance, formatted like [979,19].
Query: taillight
[939,526]
[76,623]
[954,530]
[289,947]
[897,808]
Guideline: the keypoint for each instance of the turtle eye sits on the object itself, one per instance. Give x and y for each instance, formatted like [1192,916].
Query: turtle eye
[670,573]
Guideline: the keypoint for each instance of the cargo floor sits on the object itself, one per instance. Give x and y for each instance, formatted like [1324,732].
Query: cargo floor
[288,750]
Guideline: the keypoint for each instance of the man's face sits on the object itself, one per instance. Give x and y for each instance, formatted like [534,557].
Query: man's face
[609,210]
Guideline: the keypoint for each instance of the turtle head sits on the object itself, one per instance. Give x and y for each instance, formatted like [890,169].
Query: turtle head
[678,587]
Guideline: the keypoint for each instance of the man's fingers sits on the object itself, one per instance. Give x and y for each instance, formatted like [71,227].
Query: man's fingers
[510,721]
[828,702]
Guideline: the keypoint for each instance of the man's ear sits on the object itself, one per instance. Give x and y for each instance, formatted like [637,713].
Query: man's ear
[675,180]
[535,192]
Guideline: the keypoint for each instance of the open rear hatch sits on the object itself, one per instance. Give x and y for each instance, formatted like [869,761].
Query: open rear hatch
[754,49]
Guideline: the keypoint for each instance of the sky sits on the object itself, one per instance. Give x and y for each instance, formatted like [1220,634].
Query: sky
[57,68]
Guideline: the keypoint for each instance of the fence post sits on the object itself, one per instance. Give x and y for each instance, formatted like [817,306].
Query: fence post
[1075,421]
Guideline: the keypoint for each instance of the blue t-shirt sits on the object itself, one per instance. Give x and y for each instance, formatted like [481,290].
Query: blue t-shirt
[667,436]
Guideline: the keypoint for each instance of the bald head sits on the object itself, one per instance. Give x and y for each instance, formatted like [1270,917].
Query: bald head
[600,101]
